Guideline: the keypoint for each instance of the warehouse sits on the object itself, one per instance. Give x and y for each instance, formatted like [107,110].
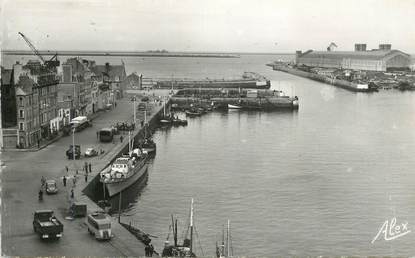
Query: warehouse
[382,59]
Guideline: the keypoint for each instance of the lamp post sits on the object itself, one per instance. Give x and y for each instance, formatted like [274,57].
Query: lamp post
[73,143]
[133,99]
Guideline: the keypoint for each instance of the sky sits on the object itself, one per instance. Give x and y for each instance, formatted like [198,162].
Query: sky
[272,26]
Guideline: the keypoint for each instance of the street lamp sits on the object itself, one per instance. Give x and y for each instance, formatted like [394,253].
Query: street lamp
[133,99]
[73,143]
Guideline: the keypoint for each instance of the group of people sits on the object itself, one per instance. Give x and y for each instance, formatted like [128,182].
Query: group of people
[149,250]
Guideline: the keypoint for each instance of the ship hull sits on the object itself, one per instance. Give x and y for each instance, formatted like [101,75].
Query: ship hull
[116,187]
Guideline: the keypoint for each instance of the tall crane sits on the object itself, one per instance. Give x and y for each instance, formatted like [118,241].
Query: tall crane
[51,63]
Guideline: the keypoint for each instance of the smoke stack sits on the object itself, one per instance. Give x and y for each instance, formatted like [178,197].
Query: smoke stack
[359,47]
[385,46]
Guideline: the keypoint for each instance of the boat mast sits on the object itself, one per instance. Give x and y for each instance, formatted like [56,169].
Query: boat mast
[145,123]
[191,227]
[228,240]
[223,240]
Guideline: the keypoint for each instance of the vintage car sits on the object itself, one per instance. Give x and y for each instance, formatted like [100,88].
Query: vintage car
[91,152]
[51,187]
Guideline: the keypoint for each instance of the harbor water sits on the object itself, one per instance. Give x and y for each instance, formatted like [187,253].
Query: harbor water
[318,181]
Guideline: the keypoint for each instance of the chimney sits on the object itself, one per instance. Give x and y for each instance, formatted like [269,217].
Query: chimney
[359,47]
[385,46]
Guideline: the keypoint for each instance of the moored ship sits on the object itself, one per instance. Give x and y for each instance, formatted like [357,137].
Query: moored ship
[124,171]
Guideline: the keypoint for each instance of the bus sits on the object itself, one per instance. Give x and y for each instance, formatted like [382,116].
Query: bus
[99,225]
[106,135]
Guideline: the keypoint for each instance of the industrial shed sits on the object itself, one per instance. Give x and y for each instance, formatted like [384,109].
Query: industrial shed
[373,60]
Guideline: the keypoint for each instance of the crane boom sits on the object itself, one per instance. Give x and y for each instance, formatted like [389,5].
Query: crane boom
[32,47]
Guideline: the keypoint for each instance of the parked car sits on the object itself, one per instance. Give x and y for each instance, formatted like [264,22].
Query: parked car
[51,187]
[90,152]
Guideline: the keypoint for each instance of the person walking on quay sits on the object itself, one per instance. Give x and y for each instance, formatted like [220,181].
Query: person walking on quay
[67,169]
[151,250]
[121,138]
[72,194]
[86,167]
[43,181]
[86,177]
[90,167]
[64,181]
[147,250]
[74,181]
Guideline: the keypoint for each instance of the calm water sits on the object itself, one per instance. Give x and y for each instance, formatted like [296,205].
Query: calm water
[319,181]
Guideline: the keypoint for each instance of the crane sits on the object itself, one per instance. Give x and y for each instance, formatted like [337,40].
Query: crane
[51,63]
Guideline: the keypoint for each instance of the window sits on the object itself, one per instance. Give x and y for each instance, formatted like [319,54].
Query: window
[21,113]
[21,127]
[21,101]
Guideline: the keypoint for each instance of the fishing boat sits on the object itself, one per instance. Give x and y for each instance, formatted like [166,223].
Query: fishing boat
[234,106]
[148,146]
[165,119]
[124,171]
[184,250]
[225,249]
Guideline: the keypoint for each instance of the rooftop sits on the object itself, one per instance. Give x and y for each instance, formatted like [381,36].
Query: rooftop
[373,54]
[6,75]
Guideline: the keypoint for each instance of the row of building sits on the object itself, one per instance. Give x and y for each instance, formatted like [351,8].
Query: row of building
[383,58]
[38,101]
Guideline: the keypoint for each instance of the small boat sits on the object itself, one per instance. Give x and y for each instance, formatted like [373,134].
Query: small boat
[177,121]
[165,121]
[185,249]
[234,106]
[193,113]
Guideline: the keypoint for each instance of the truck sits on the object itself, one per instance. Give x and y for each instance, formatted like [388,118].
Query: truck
[69,152]
[46,225]
[80,123]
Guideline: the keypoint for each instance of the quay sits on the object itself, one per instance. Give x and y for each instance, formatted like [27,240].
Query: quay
[351,86]
[21,174]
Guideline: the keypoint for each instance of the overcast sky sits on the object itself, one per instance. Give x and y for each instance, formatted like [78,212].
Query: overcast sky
[207,25]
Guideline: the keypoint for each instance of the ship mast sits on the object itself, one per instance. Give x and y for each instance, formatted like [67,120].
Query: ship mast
[191,227]
[228,240]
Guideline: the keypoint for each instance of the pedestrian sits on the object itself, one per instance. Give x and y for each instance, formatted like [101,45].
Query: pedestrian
[121,138]
[147,250]
[90,167]
[86,177]
[38,144]
[115,104]
[67,169]
[151,250]
[64,181]
[72,194]
[86,167]
[43,181]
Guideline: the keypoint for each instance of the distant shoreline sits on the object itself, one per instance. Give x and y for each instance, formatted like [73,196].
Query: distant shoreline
[135,53]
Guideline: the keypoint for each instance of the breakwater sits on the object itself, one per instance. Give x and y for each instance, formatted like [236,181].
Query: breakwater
[119,53]
[352,86]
